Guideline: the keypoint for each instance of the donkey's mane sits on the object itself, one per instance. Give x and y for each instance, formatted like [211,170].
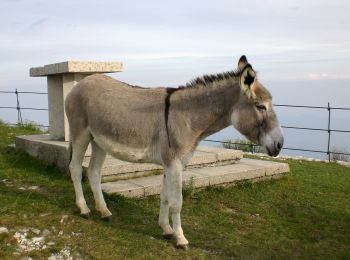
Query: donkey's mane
[206,80]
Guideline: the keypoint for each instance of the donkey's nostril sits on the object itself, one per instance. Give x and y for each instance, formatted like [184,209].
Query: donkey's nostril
[279,146]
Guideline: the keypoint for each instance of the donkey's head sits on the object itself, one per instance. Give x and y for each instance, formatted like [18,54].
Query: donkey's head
[253,114]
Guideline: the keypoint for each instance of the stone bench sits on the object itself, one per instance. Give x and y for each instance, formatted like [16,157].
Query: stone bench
[61,78]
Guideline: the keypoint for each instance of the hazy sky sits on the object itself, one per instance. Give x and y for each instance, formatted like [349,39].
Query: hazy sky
[283,39]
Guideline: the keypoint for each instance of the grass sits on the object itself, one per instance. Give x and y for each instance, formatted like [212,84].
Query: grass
[303,215]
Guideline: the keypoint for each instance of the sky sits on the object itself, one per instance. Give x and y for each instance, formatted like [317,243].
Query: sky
[288,40]
[301,49]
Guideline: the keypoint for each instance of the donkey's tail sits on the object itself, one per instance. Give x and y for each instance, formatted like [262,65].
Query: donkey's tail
[69,156]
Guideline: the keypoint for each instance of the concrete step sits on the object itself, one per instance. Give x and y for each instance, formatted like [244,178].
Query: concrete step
[245,169]
[114,169]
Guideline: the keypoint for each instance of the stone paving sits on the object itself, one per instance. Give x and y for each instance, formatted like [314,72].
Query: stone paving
[245,169]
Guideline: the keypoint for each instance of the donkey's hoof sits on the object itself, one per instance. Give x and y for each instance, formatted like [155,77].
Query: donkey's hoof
[85,215]
[183,247]
[167,236]
[107,219]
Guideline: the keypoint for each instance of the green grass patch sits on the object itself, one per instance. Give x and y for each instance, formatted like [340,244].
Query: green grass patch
[305,214]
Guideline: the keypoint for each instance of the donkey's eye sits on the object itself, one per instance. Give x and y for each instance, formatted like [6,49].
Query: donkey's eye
[261,107]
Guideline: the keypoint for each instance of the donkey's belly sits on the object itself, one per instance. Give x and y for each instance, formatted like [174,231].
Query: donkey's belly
[149,154]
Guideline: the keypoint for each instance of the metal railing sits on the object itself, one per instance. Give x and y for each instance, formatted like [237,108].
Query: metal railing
[329,130]
[19,108]
[328,108]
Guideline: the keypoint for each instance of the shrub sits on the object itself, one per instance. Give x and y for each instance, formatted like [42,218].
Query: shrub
[243,145]
[339,157]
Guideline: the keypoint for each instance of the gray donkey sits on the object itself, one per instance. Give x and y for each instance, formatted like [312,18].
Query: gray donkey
[163,126]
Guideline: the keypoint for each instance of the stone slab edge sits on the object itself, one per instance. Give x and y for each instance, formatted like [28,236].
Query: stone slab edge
[145,186]
[76,67]
[208,158]
[50,153]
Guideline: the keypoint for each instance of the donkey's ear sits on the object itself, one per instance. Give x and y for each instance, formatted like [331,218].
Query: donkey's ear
[242,62]
[247,81]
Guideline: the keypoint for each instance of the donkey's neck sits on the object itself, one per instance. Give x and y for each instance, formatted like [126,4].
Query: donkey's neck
[208,108]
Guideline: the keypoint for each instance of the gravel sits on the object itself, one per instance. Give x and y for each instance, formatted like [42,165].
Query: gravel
[64,254]
[29,244]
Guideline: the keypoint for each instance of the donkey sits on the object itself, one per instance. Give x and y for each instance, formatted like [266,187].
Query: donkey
[163,126]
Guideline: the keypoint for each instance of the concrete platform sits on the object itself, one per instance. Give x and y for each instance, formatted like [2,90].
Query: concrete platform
[56,152]
[209,166]
[41,147]
[245,169]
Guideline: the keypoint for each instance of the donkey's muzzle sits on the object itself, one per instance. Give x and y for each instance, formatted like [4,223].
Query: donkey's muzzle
[275,149]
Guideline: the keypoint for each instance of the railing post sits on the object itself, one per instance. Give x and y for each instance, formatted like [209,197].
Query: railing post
[329,132]
[19,114]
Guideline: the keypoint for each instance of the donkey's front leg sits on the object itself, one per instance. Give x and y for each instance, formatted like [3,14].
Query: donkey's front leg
[174,195]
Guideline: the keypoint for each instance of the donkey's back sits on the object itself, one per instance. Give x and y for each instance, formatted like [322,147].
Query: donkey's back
[108,109]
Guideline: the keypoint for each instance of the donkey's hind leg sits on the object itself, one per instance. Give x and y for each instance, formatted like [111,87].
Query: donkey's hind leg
[79,146]
[94,174]
[164,210]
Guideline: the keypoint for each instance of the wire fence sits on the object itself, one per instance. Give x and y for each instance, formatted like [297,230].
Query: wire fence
[253,147]
[19,108]
[329,130]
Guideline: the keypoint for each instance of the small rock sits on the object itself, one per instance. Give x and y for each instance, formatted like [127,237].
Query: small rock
[46,232]
[33,187]
[63,254]
[64,219]
[50,243]
[38,239]
[23,247]
[45,214]
[60,233]
[3,230]
[17,235]
[35,231]
[16,253]
[22,188]
[24,230]
[6,182]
